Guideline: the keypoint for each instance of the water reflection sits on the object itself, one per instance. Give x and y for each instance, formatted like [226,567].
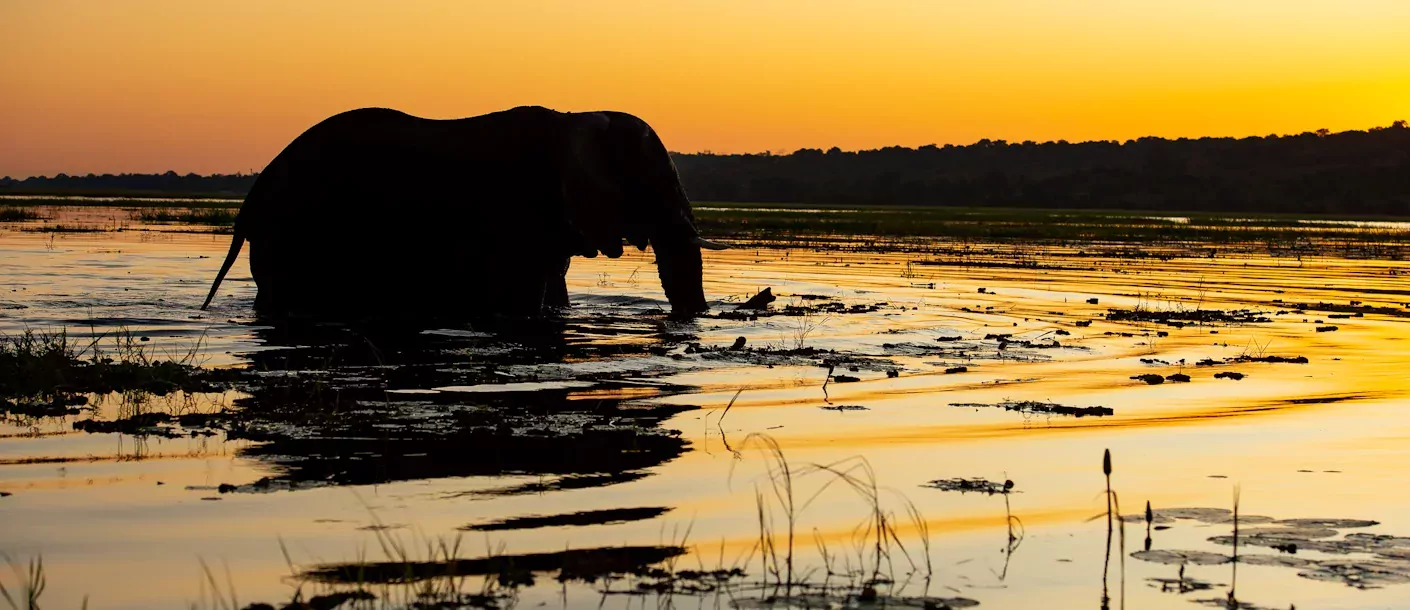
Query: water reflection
[586,424]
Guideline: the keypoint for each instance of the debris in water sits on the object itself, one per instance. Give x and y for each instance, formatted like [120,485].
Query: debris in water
[759,301]
[1046,408]
[1270,359]
[844,408]
[1149,378]
[578,519]
[979,485]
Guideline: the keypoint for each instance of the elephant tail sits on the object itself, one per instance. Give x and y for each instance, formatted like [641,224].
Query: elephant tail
[236,242]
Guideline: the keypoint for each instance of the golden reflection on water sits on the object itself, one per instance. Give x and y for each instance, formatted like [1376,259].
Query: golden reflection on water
[1327,438]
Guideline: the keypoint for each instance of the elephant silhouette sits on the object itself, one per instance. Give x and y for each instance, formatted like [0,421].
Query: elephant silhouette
[375,211]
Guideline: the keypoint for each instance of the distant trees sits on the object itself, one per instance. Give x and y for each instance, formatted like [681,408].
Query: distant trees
[1352,172]
[170,183]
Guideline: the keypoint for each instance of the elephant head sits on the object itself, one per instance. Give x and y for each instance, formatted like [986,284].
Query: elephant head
[620,183]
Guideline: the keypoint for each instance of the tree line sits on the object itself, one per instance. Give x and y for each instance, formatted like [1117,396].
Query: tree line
[169,184]
[1351,172]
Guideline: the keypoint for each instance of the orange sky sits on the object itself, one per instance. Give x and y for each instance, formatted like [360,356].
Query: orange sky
[222,86]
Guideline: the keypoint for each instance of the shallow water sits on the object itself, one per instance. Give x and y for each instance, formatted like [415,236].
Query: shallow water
[127,520]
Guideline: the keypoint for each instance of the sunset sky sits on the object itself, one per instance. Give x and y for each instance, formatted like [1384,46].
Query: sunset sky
[221,86]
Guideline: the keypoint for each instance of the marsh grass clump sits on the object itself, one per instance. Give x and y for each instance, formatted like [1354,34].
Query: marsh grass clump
[876,544]
[219,217]
[47,373]
[30,584]
[14,214]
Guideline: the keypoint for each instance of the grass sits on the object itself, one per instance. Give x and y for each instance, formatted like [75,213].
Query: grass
[30,584]
[774,223]
[125,200]
[46,367]
[220,217]
[423,575]
[875,541]
[16,214]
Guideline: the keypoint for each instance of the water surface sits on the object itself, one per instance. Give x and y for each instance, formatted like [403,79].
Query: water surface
[616,435]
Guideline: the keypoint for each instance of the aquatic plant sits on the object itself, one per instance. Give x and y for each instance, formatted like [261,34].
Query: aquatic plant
[214,216]
[875,540]
[51,367]
[14,214]
[30,584]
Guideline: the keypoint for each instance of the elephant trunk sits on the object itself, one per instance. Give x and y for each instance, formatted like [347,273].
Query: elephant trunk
[679,264]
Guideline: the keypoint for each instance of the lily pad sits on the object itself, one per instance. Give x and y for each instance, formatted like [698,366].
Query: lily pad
[1360,574]
[1198,514]
[1378,540]
[1287,533]
[1171,557]
[1212,516]
[1281,561]
[1331,523]
[1156,518]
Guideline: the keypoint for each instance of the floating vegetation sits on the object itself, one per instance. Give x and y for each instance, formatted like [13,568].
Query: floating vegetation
[869,598]
[1180,317]
[578,519]
[978,485]
[1212,516]
[758,307]
[843,408]
[1327,523]
[578,564]
[1182,585]
[1388,561]
[1041,408]
[1177,558]
[1270,359]
[1359,574]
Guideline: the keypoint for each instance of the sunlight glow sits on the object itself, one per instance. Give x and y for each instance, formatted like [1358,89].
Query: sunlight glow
[151,85]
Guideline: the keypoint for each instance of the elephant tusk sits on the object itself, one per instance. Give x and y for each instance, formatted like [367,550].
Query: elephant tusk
[707,244]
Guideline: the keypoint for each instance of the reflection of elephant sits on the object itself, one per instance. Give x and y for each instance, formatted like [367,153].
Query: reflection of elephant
[377,211]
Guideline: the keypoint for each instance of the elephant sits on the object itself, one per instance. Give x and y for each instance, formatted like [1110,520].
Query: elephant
[375,211]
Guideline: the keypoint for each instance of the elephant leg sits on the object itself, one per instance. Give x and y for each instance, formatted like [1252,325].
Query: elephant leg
[514,288]
[271,287]
[555,293]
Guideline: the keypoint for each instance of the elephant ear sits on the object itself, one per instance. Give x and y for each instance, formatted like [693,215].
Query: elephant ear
[592,200]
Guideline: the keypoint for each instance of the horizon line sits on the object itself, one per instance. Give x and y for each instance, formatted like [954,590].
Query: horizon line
[1323,132]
